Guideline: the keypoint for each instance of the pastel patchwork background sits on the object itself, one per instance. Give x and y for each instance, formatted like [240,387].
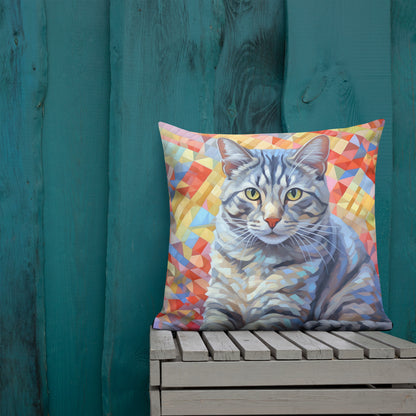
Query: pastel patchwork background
[195,176]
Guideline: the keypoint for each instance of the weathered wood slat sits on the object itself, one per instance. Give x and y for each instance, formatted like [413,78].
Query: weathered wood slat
[162,346]
[154,373]
[343,349]
[312,349]
[23,85]
[280,347]
[250,346]
[403,348]
[163,67]
[154,402]
[220,346]
[191,346]
[249,73]
[75,164]
[288,402]
[372,348]
[402,232]
[288,373]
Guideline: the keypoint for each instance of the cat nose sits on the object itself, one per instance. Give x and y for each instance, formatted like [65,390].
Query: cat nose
[272,221]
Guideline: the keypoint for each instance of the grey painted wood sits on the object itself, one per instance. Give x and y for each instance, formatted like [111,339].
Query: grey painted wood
[220,346]
[288,373]
[372,348]
[312,349]
[343,349]
[154,373]
[154,394]
[281,348]
[191,346]
[250,346]
[162,346]
[403,348]
[288,402]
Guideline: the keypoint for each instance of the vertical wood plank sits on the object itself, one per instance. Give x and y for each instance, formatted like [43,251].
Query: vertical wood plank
[154,394]
[163,58]
[165,66]
[249,75]
[75,157]
[23,78]
[403,231]
[338,75]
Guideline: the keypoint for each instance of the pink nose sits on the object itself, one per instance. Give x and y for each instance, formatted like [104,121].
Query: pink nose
[272,221]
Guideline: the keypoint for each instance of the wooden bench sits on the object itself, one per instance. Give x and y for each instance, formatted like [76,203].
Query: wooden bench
[281,373]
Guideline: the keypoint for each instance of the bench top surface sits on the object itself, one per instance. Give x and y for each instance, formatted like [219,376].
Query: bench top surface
[279,345]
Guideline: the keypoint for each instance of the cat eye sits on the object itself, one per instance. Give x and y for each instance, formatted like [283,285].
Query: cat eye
[294,194]
[252,194]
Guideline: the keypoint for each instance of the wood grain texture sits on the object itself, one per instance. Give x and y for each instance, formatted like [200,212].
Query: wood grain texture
[191,346]
[343,349]
[164,66]
[288,402]
[250,346]
[287,373]
[163,59]
[23,79]
[280,347]
[154,395]
[403,231]
[154,373]
[221,348]
[249,76]
[338,75]
[372,348]
[312,349]
[75,158]
[403,348]
[162,345]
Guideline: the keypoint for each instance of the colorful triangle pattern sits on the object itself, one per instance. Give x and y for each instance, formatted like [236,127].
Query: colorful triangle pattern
[195,177]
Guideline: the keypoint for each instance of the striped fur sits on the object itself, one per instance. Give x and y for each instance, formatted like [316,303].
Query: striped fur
[279,263]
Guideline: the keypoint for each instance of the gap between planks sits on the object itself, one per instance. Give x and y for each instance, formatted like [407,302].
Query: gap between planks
[283,345]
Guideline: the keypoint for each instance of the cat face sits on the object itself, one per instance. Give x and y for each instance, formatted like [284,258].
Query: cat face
[274,195]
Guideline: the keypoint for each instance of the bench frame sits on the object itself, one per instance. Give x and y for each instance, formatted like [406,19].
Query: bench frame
[270,373]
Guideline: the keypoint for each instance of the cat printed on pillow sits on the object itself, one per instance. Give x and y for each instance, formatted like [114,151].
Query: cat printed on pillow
[280,259]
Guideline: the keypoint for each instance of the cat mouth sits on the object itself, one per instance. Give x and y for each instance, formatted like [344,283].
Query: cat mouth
[272,238]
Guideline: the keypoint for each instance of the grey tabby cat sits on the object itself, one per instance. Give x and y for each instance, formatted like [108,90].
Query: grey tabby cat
[280,259]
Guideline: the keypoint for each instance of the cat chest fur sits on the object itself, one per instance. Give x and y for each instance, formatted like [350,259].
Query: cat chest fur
[262,282]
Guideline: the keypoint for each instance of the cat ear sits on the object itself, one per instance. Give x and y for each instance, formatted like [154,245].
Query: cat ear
[314,154]
[233,155]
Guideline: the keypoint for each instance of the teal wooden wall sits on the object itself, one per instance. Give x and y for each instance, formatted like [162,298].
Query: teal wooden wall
[83,201]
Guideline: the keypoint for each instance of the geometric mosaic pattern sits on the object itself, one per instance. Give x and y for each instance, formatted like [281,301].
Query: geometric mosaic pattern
[195,177]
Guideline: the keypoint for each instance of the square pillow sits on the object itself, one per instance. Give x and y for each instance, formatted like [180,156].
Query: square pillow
[272,231]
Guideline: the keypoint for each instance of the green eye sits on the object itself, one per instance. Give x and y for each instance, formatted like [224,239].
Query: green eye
[252,194]
[294,194]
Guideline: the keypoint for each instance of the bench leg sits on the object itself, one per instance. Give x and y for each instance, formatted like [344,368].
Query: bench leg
[154,393]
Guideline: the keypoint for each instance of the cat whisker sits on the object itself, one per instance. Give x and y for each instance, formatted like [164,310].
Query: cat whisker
[297,239]
[328,241]
[312,226]
[322,245]
[317,229]
[249,242]
[319,254]
[292,239]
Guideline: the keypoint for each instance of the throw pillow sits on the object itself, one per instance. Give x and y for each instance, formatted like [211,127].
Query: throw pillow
[272,231]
